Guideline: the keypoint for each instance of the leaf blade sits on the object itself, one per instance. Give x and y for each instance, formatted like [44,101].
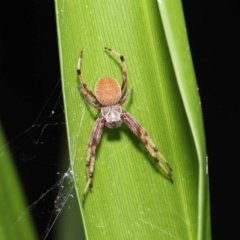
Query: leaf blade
[130,194]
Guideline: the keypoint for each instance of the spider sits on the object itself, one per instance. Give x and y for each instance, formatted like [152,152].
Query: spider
[108,99]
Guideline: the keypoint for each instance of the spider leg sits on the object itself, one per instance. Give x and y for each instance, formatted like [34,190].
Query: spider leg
[152,149]
[122,101]
[92,146]
[87,93]
[124,71]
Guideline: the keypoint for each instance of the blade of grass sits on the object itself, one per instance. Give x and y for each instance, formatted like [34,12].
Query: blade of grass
[13,223]
[130,197]
[174,27]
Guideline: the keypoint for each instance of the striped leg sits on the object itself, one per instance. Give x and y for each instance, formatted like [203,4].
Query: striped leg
[92,146]
[124,71]
[87,93]
[152,149]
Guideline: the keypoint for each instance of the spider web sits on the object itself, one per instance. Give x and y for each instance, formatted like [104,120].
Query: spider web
[35,149]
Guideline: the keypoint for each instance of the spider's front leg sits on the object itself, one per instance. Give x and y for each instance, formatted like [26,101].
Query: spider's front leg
[124,71]
[92,146]
[151,147]
[87,93]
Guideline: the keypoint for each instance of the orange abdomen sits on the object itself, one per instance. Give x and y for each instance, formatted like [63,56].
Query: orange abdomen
[108,91]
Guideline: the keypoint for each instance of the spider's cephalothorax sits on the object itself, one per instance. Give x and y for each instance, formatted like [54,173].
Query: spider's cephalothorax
[108,98]
[112,114]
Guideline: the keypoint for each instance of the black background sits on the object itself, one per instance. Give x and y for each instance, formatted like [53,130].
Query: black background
[29,71]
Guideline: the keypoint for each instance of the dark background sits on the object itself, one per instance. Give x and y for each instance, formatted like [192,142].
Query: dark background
[29,71]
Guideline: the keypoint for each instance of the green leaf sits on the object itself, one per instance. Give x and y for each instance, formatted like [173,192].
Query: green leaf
[132,197]
[15,222]
[183,68]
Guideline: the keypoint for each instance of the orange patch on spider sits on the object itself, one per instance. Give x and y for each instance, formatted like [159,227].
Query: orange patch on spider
[107,91]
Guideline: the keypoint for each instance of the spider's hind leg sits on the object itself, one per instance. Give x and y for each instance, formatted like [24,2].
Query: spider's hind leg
[153,150]
[92,146]
[151,147]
